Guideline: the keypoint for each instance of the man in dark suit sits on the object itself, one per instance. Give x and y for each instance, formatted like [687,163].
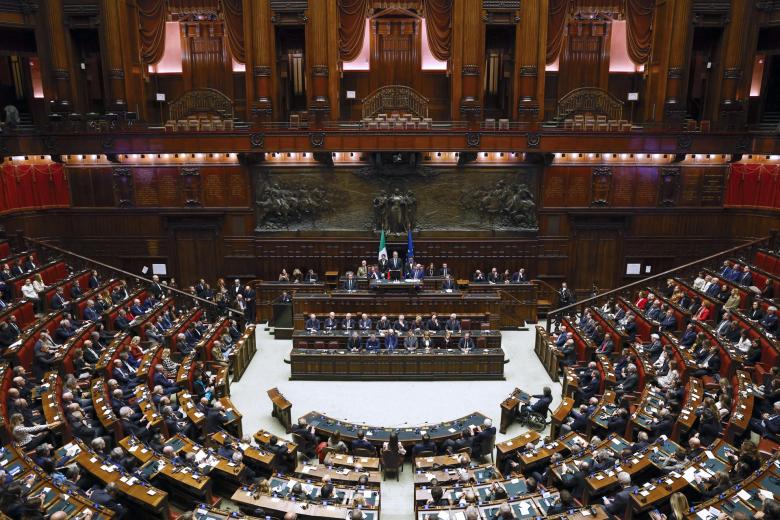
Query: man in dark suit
[769,423]
[136,309]
[494,276]
[122,376]
[483,434]
[156,287]
[18,269]
[425,444]
[305,432]
[434,324]
[312,324]
[709,363]
[311,277]
[168,385]
[617,504]
[688,337]
[121,322]
[519,276]
[401,325]
[29,264]
[361,442]
[590,388]
[669,322]
[365,323]
[372,343]
[94,280]
[409,267]
[331,322]
[353,343]
[383,265]
[617,422]
[62,333]
[90,314]
[542,403]
[466,343]
[216,418]
[349,323]
[445,271]
[395,266]
[58,301]
[350,284]
[565,296]
[478,276]
[746,279]
[770,320]
[569,353]
[452,324]
[448,284]
[75,291]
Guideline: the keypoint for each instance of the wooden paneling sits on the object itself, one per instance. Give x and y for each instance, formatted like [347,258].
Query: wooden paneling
[585,56]
[206,61]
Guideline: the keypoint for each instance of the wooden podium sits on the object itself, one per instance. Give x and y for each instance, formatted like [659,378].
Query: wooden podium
[282,409]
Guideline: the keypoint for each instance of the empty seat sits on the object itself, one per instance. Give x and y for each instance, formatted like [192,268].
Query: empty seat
[614,125]
[295,120]
[704,126]
[228,124]
[601,123]
[490,124]
[568,124]
[465,324]
[503,124]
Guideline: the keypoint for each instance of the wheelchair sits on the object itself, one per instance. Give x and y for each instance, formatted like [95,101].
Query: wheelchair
[533,420]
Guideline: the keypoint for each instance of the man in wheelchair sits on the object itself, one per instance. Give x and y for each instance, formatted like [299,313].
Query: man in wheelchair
[536,412]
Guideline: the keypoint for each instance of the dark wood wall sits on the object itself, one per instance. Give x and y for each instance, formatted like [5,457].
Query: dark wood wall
[199,220]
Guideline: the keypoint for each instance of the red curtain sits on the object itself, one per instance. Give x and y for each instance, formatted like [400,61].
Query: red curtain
[151,17]
[28,186]
[352,23]
[639,29]
[754,185]
[556,23]
[233,12]
[438,21]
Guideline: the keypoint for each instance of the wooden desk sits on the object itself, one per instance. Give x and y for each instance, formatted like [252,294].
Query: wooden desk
[266,293]
[263,438]
[744,401]
[260,457]
[51,390]
[340,460]
[507,448]
[457,460]
[605,408]
[282,408]
[302,509]
[541,456]
[137,491]
[143,398]
[559,416]
[101,402]
[478,474]
[439,365]
[326,426]
[176,480]
[543,347]
[509,407]
[212,464]
[342,476]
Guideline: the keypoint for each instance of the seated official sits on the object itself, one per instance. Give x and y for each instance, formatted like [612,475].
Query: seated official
[410,341]
[452,324]
[542,403]
[383,324]
[466,343]
[361,443]
[372,343]
[312,324]
[401,325]
[434,324]
[311,277]
[448,284]
[391,340]
[425,445]
[331,323]
[365,323]
[354,343]
[478,277]
[349,323]
[351,283]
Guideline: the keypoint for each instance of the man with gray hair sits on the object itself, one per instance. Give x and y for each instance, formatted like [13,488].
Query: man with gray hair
[617,504]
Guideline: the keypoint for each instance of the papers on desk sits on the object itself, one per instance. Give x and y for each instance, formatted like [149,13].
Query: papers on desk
[72,450]
[711,512]
[525,507]
[744,495]
[766,494]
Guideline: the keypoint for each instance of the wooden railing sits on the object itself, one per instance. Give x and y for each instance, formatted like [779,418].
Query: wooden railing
[589,100]
[90,263]
[746,250]
[395,98]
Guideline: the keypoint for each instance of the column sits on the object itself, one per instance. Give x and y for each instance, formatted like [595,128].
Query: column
[734,86]
[679,41]
[317,60]
[260,43]
[59,58]
[112,52]
[530,60]
[468,56]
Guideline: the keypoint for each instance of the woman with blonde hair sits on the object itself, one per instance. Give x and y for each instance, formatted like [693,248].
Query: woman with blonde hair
[38,285]
[680,507]
[29,437]
[733,302]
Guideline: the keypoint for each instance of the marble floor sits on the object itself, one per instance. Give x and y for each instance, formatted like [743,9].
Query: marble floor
[386,403]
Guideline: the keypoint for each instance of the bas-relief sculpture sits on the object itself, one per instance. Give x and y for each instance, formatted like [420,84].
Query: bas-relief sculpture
[422,199]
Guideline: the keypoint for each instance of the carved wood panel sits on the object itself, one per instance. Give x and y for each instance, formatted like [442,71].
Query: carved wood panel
[206,61]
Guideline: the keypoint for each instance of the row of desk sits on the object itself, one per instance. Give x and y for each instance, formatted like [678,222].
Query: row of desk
[436,365]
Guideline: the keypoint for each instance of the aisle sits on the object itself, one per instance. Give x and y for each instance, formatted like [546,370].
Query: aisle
[385,403]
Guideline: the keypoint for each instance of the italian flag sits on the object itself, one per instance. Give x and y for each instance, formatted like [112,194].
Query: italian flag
[382,246]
